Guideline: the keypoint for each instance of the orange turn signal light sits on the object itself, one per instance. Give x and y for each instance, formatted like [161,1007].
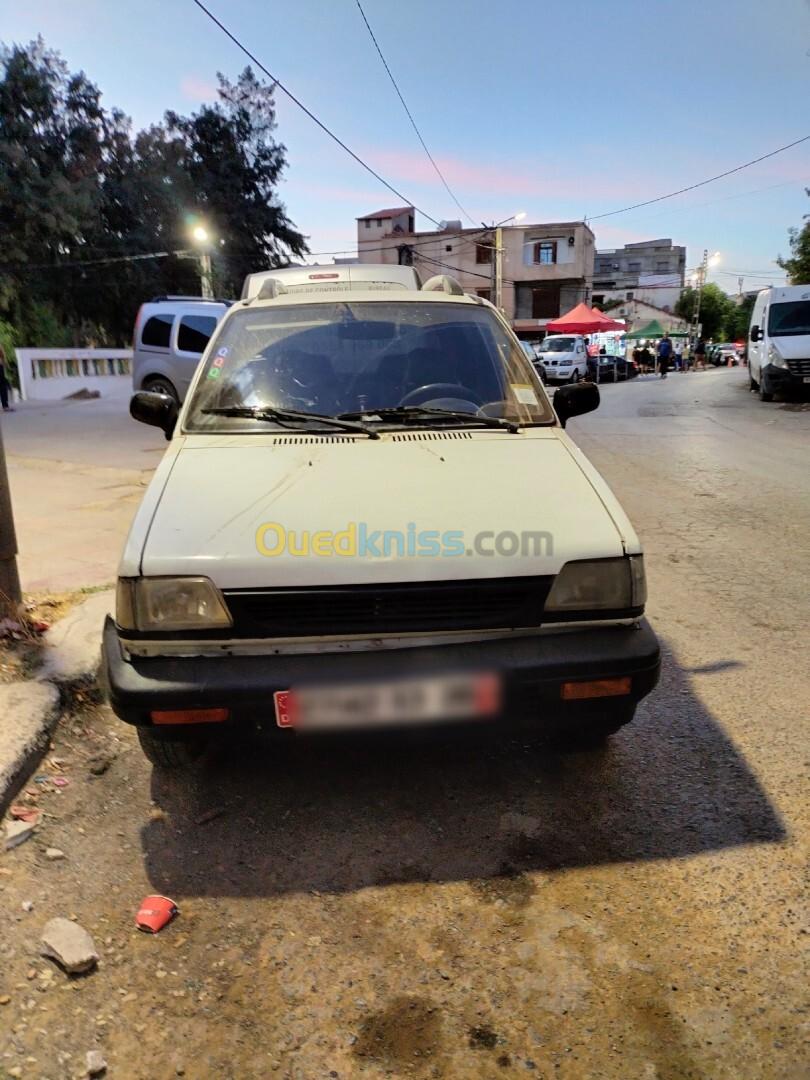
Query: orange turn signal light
[189,716]
[576,691]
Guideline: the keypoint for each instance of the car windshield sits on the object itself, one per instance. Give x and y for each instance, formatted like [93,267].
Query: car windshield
[789,318]
[357,357]
[560,344]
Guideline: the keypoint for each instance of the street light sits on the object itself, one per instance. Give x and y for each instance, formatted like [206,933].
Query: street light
[203,239]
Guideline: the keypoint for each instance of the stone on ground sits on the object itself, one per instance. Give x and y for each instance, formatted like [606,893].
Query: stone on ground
[70,945]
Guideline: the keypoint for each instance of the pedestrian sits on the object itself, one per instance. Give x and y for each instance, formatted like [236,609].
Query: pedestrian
[646,360]
[686,357]
[4,385]
[664,355]
[678,356]
[700,354]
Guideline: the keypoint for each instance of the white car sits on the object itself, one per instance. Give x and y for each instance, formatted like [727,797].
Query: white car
[563,357]
[369,515]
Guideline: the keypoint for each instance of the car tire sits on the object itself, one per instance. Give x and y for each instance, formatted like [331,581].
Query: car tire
[575,376]
[752,383]
[159,384]
[168,753]
[763,393]
[593,732]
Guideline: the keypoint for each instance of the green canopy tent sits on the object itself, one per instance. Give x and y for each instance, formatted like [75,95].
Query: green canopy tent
[653,329]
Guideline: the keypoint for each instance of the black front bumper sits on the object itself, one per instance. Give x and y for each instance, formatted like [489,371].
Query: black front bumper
[532,670]
[779,380]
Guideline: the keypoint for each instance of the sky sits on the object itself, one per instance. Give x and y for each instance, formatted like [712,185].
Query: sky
[561,109]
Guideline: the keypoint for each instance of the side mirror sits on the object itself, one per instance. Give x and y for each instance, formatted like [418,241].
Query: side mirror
[574,400]
[755,333]
[158,410]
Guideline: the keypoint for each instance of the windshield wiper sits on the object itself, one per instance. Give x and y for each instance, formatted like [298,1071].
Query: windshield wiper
[404,413]
[285,417]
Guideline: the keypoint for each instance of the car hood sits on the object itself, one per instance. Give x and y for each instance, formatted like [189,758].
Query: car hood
[226,497]
[793,346]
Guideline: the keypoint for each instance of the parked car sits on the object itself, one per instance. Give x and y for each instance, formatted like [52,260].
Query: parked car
[611,368]
[779,341]
[563,357]
[726,353]
[370,515]
[170,336]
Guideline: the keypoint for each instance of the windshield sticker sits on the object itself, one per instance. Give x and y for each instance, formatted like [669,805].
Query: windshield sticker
[214,373]
[524,393]
[219,361]
[223,351]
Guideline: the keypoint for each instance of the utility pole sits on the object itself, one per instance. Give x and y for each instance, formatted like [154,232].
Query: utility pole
[206,286]
[10,594]
[702,271]
[497,268]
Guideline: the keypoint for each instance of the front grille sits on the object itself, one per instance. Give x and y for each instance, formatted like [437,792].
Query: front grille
[799,367]
[498,603]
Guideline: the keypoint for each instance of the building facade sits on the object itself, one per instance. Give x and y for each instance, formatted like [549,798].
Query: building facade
[653,271]
[547,268]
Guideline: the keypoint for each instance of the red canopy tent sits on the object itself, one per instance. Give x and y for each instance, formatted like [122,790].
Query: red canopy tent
[582,320]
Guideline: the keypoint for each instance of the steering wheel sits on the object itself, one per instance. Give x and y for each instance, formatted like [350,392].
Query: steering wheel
[439,389]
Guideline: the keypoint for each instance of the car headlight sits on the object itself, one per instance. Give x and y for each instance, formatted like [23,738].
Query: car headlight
[599,584]
[155,604]
[775,357]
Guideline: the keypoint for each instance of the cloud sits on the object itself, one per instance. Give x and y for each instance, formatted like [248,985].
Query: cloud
[197,89]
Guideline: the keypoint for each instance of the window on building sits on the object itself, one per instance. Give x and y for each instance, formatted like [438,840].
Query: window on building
[157,331]
[483,253]
[633,267]
[194,333]
[485,294]
[368,223]
[545,252]
[598,298]
[628,296]
[662,266]
[410,222]
[448,247]
[378,221]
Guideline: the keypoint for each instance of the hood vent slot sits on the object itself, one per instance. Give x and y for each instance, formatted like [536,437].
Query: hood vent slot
[429,436]
[309,440]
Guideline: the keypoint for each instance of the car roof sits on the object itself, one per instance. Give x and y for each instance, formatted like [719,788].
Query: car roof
[334,277]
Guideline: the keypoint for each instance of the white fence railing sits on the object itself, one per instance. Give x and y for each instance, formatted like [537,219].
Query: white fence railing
[52,374]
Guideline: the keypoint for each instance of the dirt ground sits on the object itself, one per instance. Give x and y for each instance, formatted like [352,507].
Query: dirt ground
[476,909]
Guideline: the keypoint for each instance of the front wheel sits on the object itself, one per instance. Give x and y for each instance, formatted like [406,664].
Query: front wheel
[763,393]
[170,753]
[575,376]
[752,383]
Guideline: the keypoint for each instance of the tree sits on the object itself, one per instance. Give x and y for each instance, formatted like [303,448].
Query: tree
[798,265]
[739,319]
[716,307]
[85,203]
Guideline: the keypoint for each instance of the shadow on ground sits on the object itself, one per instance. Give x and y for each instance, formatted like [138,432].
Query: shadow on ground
[336,818]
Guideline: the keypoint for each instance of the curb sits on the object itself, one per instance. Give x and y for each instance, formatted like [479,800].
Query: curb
[29,711]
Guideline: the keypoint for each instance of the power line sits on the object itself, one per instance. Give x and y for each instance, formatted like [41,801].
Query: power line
[310,114]
[702,183]
[410,116]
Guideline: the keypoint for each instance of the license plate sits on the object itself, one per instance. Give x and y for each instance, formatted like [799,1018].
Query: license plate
[404,702]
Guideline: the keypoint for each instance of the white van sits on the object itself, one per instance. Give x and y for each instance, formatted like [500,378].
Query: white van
[779,341]
[369,515]
[564,357]
[170,336]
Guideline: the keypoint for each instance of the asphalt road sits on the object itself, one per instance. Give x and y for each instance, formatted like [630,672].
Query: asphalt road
[484,910]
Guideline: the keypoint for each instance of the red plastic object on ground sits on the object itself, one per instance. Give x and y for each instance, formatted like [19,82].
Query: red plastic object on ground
[154,913]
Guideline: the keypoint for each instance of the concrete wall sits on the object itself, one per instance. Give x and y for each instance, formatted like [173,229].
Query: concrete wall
[53,374]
